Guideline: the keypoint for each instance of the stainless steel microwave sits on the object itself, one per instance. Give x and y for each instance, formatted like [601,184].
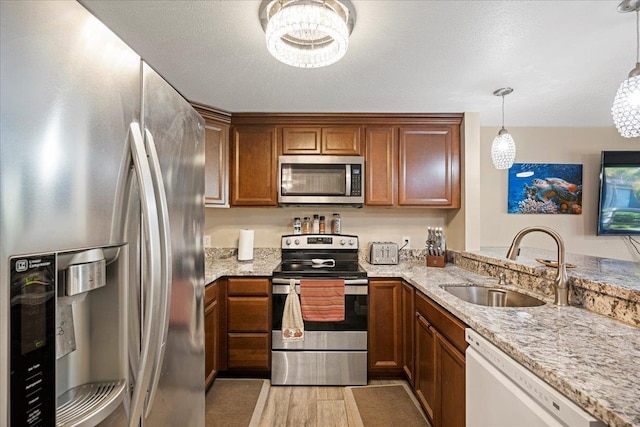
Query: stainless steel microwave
[337,180]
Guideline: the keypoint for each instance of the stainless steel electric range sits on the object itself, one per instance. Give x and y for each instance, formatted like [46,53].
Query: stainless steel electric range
[332,353]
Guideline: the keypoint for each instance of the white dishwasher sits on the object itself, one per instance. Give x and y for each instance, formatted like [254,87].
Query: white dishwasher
[502,393]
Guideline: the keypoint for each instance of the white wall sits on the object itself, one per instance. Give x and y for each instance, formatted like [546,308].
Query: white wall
[552,145]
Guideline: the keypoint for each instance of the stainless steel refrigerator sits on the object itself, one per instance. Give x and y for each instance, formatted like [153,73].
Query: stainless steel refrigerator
[101,216]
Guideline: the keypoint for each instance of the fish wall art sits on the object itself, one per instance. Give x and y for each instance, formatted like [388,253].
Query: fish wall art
[545,188]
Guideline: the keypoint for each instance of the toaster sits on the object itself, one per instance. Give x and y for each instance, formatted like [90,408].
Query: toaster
[383,253]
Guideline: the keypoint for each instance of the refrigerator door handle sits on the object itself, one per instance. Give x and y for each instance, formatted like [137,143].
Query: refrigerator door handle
[152,242]
[167,262]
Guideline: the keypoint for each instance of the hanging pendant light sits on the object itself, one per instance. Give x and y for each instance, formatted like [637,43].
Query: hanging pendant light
[307,33]
[626,105]
[503,149]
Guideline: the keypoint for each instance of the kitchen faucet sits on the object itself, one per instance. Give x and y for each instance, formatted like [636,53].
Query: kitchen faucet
[560,283]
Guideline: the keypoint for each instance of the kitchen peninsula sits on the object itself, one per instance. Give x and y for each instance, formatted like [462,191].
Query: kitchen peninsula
[589,357]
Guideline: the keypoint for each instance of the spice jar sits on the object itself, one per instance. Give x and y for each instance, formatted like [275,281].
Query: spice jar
[297,226]
[306,225]
[322,224]
[336,224]
[315,225]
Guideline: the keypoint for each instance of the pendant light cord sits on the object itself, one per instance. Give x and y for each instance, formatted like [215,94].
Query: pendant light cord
[502,111]
[637,35]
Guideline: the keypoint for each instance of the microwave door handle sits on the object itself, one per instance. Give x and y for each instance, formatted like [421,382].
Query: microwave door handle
[348,177]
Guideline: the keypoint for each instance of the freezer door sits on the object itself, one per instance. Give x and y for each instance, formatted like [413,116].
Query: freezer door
[176,131]
[69,89]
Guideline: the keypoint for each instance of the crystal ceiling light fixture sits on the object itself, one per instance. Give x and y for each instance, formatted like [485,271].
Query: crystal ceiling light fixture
[626,105]
[503,149]
[307,33]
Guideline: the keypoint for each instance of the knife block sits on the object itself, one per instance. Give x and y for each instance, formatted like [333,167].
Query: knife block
[435,261]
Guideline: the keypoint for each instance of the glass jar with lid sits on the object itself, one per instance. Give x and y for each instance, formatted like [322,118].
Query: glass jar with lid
[336,224]
[306,225]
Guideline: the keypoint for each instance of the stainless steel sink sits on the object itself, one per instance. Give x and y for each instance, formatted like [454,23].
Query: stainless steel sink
[492,297]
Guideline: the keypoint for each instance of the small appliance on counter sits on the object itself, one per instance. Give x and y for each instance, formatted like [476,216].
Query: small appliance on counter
[383,253]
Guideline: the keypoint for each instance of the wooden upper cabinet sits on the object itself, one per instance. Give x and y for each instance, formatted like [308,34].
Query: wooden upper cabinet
[216,155]
[337,140]
[341,141]
[301,140]
[254,163]
[429,166]
[381,166]
[216,164]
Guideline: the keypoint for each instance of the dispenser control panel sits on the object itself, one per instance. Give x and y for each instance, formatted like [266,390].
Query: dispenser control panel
[33,346]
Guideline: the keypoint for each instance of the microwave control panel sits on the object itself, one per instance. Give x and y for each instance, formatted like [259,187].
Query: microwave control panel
[356,180]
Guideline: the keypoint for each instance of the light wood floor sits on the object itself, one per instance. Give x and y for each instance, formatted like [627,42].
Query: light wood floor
[308,406]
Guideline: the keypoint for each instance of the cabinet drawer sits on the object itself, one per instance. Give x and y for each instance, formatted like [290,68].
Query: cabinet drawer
[210,293]
[443,321]
[249,351]
[248,314]
[248,286]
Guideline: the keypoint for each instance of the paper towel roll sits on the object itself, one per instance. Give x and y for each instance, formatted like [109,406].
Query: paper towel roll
[245,245]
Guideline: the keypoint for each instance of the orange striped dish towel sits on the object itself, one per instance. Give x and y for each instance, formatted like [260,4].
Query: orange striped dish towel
[322,300]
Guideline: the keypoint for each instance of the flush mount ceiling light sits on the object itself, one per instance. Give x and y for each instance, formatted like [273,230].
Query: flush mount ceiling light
[307,33]
[626,105]
[503,149]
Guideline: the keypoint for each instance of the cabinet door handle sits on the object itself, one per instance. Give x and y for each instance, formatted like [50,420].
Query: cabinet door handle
[423,319]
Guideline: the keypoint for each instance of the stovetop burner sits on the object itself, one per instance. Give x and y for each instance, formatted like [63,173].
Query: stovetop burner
[319,256]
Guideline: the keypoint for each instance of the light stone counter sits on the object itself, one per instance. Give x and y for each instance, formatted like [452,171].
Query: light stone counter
[224,262]
[592,359]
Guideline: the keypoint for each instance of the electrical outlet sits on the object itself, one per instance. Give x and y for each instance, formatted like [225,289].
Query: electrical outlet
[206,241]
[406,240]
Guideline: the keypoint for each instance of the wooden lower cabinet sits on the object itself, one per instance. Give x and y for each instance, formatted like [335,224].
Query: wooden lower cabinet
[450,383]
[439,363]
[385,327]
[425,373]
[249,350]
[211,332]
[408,328]
[248,324]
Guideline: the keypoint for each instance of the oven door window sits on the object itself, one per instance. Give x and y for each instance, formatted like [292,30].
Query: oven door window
[313,179]
[355,315]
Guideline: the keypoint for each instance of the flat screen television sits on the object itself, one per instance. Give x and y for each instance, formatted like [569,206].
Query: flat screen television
[619,207]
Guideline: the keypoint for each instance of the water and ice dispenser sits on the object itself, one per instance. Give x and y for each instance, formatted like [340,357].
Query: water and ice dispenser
[68,336]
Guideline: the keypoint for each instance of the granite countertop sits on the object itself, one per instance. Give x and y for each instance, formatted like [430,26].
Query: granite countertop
[590,358]
[612,276]
[219,267]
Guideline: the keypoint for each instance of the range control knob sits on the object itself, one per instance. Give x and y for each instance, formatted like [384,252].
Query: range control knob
[342,242]
[288,242]
[350,242]
[297,241]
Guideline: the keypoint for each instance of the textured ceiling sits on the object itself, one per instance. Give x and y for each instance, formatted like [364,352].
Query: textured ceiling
[564,59]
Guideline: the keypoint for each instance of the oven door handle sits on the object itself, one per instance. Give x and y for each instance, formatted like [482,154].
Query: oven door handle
[348,289]
[347,282]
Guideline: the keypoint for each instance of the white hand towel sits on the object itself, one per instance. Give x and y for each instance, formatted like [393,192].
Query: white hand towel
[292,323]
